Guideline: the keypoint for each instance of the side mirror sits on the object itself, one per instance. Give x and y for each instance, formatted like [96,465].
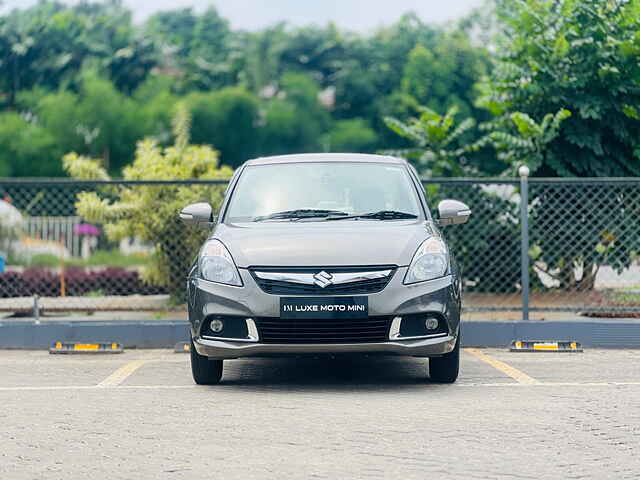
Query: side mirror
[453,212]
[197,214]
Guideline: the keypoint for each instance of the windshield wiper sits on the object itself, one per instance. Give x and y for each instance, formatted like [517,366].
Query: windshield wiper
[301,213]
[381,215]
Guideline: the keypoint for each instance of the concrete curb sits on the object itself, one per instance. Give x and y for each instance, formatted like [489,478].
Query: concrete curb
[601,333]
[135,334]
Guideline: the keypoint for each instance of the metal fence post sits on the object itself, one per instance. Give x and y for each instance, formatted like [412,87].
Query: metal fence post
[524,238]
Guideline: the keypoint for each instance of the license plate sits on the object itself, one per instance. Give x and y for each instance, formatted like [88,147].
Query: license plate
[324,307]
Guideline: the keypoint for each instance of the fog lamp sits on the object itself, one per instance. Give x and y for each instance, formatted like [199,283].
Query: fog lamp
[431,323]
[216,325]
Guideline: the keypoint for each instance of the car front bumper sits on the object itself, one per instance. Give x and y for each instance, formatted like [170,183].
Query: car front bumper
[429,347]
[441,296]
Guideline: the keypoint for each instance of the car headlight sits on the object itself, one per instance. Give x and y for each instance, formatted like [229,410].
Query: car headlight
[430,261]
[216,264]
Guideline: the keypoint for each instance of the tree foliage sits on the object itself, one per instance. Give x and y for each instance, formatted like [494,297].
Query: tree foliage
[444,75]
[352,135]
[70,73]
[84,78]
[96,120]
[227,118]
[47,45]
[439,145]
[577,56]
[198,46]
[519,139]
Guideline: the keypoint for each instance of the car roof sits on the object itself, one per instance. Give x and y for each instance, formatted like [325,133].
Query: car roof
[326,157]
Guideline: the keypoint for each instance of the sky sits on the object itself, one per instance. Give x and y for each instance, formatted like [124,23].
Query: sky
[361,15]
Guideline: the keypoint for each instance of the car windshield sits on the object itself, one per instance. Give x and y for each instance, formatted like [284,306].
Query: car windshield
[320,189]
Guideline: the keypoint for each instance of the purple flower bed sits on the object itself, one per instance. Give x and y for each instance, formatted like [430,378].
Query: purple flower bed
[78,282]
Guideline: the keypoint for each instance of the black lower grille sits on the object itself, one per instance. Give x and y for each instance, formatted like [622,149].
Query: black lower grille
[365,330]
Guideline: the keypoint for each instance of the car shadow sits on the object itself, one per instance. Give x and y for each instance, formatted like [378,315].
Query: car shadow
[340,373]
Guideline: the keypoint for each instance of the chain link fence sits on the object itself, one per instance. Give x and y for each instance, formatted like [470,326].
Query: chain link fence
[584,246]
[581,254]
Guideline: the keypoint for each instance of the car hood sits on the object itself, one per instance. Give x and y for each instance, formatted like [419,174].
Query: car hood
[322,244]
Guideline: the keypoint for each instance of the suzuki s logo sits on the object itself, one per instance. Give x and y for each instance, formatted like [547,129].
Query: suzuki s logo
[323,279]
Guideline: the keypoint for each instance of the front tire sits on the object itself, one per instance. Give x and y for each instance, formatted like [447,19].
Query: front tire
[445,369]
[204,370]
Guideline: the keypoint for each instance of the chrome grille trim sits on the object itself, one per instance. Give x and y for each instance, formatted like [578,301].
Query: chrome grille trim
[354,280]
[308,278]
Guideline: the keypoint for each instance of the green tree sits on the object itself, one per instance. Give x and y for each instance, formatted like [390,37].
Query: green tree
[294,120]
[445,75]
[582,56]
[386,52]
[48,44]
[108,122]
[524,141]
[98,120]
[106,38]
[261,62]
[316,51]
[407,64]
[26,148]
[439,147]
[227,118]
[85,78]
[370,75]
[566,90]
[196,47]
[150,212]
[35,48]
[157,107]
[352,135]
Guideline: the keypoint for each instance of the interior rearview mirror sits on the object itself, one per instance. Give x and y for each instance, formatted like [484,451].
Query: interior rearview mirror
[197,214]
[453,212]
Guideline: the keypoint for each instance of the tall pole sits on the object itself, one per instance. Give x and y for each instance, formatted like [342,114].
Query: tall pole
[524,238]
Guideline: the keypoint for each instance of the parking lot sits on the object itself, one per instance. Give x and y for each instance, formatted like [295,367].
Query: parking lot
[138,414]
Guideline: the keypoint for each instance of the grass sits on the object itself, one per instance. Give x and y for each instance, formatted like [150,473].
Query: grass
[111,258]
[94,293]
[43,260]
[626,297]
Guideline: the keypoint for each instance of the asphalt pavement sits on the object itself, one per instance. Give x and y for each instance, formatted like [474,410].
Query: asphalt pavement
[138,415]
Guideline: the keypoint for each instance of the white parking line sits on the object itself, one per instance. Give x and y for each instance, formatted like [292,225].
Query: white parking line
[48,388]
[180,387]
[550,384]
[93,387]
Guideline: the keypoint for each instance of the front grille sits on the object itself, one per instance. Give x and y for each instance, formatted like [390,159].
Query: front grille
[363,287]
[365,330]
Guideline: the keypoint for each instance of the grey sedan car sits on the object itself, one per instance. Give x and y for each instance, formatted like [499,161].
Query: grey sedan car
[324,254]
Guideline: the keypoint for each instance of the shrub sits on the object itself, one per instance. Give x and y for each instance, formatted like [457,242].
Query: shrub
[150,212]
[78,282]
